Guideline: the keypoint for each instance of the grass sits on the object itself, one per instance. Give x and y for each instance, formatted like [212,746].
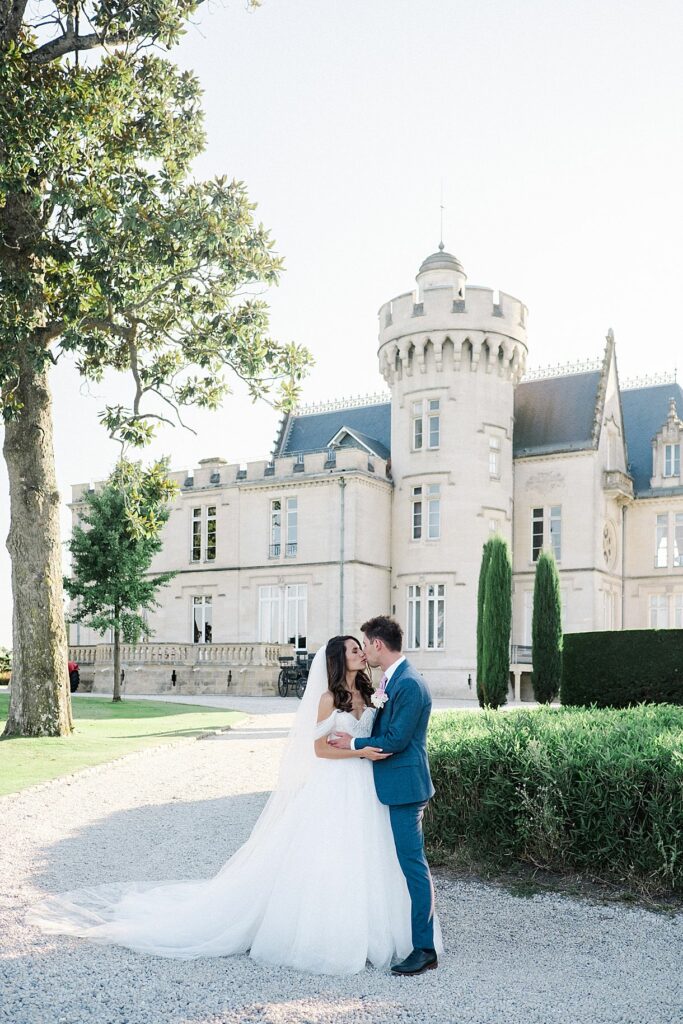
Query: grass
[104,731]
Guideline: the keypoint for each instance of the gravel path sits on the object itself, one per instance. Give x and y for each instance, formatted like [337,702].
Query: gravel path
[180,811]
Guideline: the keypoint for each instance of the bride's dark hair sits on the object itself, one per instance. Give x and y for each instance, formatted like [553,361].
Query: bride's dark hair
[335,653]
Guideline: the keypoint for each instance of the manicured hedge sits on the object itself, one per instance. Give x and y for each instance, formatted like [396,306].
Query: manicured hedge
[621,668]
[590,791]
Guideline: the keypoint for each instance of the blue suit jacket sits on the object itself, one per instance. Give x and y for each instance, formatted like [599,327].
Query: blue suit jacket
[400,727]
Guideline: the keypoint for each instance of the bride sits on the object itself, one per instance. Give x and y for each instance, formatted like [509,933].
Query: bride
[323,844]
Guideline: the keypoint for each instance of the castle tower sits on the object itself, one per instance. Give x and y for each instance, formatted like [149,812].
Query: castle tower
[452,355]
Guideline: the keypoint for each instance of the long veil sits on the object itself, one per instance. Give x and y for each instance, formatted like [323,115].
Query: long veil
[210,917]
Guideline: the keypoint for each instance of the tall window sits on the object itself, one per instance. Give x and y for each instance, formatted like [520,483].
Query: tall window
[269,614]
[204,533]
[292,526]
[546,523]
[196,534]
[426,506]
[416,513]
[283,613]
[202,620]
[678,611]
[678,539]
[295,615]
[494,457]
[417,432]
[662,542]
[537,521]
[211,533]
[426,616]
[434,418]
[433,511]
[275,528]
[425,421]
[659,611]
[672,460]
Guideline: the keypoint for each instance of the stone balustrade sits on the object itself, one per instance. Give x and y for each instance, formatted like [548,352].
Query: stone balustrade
[231,668]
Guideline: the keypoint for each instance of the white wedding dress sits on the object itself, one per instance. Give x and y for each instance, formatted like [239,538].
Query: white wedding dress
[316,887]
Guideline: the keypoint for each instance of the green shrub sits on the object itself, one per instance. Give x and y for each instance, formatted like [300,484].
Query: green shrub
[620,668]
[497,620]
[587,791]
[546,631]
[481,589]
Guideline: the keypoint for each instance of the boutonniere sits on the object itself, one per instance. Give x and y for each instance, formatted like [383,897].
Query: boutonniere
[380,697]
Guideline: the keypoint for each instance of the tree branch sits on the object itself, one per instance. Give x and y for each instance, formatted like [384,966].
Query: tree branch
[69,42]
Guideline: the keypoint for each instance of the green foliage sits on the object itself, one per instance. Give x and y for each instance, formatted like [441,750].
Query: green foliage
[596,792]
[110,252]
[497,622]
[5,660]
[481,590]
[546,631]
[113,549]
[623,667]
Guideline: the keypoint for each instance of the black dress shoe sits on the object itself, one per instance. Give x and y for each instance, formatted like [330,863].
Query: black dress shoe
[419,960]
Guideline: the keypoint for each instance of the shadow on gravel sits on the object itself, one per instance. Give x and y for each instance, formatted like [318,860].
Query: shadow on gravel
[163,841]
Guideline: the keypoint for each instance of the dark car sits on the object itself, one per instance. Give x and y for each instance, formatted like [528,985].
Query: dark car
[74,676]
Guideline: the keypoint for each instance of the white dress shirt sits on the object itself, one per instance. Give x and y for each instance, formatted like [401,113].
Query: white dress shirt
[388,673]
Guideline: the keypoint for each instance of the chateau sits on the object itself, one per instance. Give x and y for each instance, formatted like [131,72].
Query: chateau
[383,503]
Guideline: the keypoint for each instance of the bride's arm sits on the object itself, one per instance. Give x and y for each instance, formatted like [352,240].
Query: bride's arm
[322,747]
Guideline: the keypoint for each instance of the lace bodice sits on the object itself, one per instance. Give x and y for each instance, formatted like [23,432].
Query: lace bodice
[344,721]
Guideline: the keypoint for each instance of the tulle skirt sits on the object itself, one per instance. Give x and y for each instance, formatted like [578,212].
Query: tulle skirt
[316,887]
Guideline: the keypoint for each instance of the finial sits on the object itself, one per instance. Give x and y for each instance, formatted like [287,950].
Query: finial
[441,246]
[673,415]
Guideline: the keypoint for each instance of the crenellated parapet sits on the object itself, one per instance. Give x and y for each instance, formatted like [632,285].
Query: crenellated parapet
[457,327]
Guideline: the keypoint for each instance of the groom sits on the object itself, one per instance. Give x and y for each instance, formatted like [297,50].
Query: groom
[402,781]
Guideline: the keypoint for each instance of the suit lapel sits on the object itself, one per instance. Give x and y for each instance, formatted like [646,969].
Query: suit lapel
[390,686]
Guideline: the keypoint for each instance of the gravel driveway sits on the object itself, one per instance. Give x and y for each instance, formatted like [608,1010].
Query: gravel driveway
[180,811]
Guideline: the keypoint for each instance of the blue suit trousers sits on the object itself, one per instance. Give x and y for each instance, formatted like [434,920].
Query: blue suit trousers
[406,824]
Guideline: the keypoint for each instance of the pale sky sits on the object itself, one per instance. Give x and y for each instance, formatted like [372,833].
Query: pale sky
[554,129]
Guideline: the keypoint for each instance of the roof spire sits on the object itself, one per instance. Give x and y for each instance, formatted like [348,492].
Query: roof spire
[441,207]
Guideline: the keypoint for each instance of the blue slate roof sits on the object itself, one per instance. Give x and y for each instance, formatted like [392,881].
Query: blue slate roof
[555,414]
[312,432]
[645,411]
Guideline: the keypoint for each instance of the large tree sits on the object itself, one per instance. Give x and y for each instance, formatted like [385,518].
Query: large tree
[112,548]
[108,253]
[546,631]
[497,618]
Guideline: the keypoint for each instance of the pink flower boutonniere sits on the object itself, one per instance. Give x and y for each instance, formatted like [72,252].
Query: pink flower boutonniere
[380,697]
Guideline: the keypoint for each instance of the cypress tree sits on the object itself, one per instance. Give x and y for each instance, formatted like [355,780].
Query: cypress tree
[485,559]
[497,625]
[546,631]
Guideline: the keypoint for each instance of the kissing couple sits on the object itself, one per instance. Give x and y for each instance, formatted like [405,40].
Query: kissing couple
[333,875]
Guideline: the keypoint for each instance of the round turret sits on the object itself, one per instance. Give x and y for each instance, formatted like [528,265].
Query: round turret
[452,356]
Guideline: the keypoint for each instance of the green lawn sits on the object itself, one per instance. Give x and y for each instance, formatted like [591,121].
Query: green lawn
[104,730]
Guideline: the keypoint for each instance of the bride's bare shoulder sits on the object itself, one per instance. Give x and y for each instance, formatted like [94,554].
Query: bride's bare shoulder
[326,706]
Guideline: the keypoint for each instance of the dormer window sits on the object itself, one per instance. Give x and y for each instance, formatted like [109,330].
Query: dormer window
[672,460]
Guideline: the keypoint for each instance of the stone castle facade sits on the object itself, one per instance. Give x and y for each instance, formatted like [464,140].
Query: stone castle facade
[382,504]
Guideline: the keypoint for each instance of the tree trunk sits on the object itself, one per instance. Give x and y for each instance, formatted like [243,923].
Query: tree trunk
[117,661]
[40,702]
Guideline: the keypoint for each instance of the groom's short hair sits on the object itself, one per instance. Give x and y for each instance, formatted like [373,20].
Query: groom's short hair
[386,629]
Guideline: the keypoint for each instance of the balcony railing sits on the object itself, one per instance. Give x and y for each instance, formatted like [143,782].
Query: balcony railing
[520,654]
[274,551]
[291,550]
[617,484]
[155,654]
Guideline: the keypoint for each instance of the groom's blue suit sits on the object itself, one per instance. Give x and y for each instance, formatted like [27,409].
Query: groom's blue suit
[403,783]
